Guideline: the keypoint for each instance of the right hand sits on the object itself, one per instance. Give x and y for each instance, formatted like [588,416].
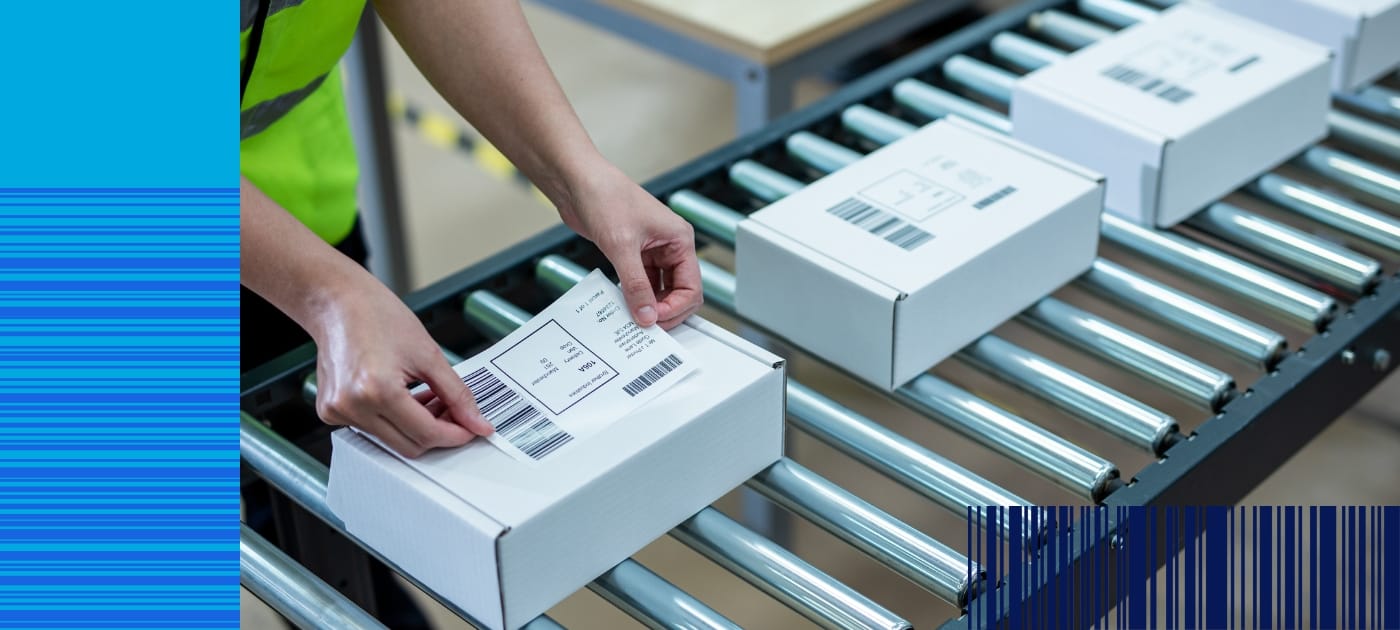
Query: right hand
[369,349]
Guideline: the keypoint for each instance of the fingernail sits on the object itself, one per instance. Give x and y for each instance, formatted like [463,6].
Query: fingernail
[646,314]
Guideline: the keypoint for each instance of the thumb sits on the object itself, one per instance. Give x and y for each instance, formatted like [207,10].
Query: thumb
[453,393]
[636,288]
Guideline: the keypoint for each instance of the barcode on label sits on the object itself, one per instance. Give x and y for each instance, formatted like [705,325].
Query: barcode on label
[994,197]
[515,419]
[880,223]
[648,377]
[1156,86]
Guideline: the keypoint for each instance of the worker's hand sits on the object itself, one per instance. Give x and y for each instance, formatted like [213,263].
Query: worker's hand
[652,249]
[369,348]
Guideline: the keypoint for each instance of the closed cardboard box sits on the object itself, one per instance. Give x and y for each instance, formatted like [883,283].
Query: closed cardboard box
[893,263]
[506,539]
[1178,111]
[1363,35]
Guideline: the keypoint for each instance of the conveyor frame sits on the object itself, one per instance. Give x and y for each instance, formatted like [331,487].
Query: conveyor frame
[1218,464]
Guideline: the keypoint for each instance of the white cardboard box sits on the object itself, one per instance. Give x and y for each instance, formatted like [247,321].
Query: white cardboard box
[505,540]
[893,263]
[1363,35]
[1178,111]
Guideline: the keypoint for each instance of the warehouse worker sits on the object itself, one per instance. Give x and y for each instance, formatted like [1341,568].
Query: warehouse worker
[301,247]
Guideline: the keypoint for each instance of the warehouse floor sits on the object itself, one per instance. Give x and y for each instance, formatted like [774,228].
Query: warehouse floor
[649,113]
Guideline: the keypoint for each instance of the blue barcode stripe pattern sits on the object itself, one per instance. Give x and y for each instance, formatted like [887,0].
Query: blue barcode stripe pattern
[119,336]
[1259,567]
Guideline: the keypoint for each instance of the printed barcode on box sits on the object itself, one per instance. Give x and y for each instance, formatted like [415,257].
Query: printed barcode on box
[880,223]
[671,362]
[515,419]
[994,197]
[1156,86]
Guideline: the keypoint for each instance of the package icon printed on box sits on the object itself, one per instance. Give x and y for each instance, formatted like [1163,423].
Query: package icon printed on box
[608,435]
[1178,111]
[896,261]
[1363,35]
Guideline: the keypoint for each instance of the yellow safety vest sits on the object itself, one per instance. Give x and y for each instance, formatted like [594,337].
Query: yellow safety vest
[295,142]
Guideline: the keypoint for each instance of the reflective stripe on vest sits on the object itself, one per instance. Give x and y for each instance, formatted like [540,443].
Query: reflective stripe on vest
[295,136]
[258,117]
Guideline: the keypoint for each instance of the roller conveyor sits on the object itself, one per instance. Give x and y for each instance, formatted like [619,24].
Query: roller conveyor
[1288,396]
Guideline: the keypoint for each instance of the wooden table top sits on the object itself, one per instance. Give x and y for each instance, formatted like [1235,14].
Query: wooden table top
[766,31]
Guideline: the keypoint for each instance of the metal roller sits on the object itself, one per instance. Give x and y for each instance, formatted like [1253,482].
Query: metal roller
[1165,305]
[822,599]
[652,600]
[822,154]
[1200,384]
[1298,304]
[922,560]
[1083,398]
[303,479]
[709,218]
[875,126]
[810,592]
[1345,126]
[1067,29]
[717,284]
[1234,334]
[981,77]
[1342,214]
[935,103]
[290,469]
[1191,380]
[630,586]
[1310,254]
[764,183]
[940,480]
[493,315]
[782,575]
[931,565]
[915,467]
[1036,381]
[1119,13]
[1346,169]
[1375,99]
[1168,375]
[1042,452]
[1353,129]
[294,591]
[1023,51]
[1352,171]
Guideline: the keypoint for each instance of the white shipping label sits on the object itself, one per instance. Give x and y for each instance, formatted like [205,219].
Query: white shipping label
[1180,63]
[1171,75]
[925,204]
[900,207]
[573,369]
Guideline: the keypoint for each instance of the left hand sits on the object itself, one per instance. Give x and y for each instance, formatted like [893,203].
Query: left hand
[652,249]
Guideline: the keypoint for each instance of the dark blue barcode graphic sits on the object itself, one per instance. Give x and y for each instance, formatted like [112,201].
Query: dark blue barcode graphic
[639,384]
[994,197]
[1157,86]
[1185,567]
[880,223]
[515,419]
